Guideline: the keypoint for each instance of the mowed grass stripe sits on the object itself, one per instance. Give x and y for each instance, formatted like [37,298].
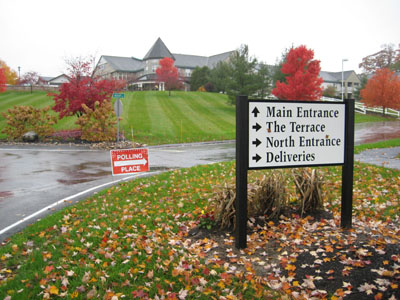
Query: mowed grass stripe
[201,115]
[179,117]
[135,114]
[218,104]
[209,113]
[36,99]
[161,123]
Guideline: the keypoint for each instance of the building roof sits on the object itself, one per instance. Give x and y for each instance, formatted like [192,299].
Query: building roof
[193,61]
[158,50]
[334,76]
[60,77]
[125,64]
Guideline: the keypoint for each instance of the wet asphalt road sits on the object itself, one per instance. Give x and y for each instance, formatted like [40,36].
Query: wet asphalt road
[34,177]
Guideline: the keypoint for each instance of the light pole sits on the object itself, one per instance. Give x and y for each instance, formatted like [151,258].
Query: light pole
[343,60]
[19,75]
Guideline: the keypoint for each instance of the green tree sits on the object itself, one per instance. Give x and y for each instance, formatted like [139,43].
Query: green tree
[263,81]
[219,77]
[200,77]
[329,91]
[277,71]
[243,77]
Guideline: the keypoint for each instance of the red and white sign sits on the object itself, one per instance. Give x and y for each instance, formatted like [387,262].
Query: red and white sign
[129,161]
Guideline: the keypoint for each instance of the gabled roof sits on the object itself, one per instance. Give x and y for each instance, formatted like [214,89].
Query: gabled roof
[193,61]
[334,76]
[59,77]
[126,64]
[213,60]
[159,50]
[190,61]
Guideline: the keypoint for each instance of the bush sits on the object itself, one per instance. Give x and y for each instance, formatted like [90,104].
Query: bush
[21,119]
[98,125]
[266,197]
[309,189]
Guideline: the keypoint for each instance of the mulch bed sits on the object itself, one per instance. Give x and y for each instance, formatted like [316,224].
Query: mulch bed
[310,258]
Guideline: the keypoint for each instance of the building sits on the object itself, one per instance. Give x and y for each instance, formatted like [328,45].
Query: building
[350,82]
[140,74]
[59,80]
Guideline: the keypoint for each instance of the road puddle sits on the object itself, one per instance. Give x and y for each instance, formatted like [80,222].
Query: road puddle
[366,133]
[85,172]
[5,194]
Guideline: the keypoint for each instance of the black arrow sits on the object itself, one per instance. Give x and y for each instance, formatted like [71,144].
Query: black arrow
[257,127]
[256,158]
[255,111]
[257,142]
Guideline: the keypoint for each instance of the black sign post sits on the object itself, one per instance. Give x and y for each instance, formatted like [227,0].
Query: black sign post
[294,122]
[242,164]
[348,168]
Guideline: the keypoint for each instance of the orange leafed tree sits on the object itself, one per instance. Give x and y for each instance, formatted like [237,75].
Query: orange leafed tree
[10,74]
[382,90]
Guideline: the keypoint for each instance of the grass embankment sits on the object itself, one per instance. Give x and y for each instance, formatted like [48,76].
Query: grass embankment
[37,99]
[132,240]
[153,117]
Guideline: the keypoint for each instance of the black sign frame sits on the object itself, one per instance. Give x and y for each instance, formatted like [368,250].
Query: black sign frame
[242,166]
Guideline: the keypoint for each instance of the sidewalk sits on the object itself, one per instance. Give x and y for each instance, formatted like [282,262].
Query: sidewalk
[385,157]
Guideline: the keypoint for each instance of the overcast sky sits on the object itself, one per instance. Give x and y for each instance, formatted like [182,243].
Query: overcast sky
[39,35]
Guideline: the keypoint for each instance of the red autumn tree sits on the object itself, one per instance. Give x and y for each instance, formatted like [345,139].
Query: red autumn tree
[3,81]
[82,89]
[168,74]
[382,90]
[303,81]
[30,78]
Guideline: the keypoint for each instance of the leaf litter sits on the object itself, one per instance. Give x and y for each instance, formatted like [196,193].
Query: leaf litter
[139,240]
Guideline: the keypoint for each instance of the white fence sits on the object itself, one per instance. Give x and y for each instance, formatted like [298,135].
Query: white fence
[361,108]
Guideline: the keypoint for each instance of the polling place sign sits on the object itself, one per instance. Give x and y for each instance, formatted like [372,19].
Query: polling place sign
[129,161]
[290,134]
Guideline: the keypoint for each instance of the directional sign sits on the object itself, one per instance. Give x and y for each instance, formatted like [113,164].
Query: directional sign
[118,107]
[289,133]
[118,95]
[277,134]
[129,161]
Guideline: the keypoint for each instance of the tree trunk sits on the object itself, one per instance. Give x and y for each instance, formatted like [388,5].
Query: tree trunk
[383,111]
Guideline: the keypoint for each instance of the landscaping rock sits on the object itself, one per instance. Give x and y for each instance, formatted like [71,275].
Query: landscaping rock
[30,137]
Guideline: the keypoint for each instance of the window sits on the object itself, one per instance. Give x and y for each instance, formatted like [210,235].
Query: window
[188,72]
[154,68]
[349,84]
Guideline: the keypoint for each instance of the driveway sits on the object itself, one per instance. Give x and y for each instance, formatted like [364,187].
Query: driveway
[37,180]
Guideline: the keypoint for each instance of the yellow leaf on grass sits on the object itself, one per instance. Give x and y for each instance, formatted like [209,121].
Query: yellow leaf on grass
[53,290]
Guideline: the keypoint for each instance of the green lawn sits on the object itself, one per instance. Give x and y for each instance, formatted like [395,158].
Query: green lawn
[36,99]
[155,118]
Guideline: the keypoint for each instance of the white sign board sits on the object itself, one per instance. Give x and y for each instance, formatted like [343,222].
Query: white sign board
[290,134]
